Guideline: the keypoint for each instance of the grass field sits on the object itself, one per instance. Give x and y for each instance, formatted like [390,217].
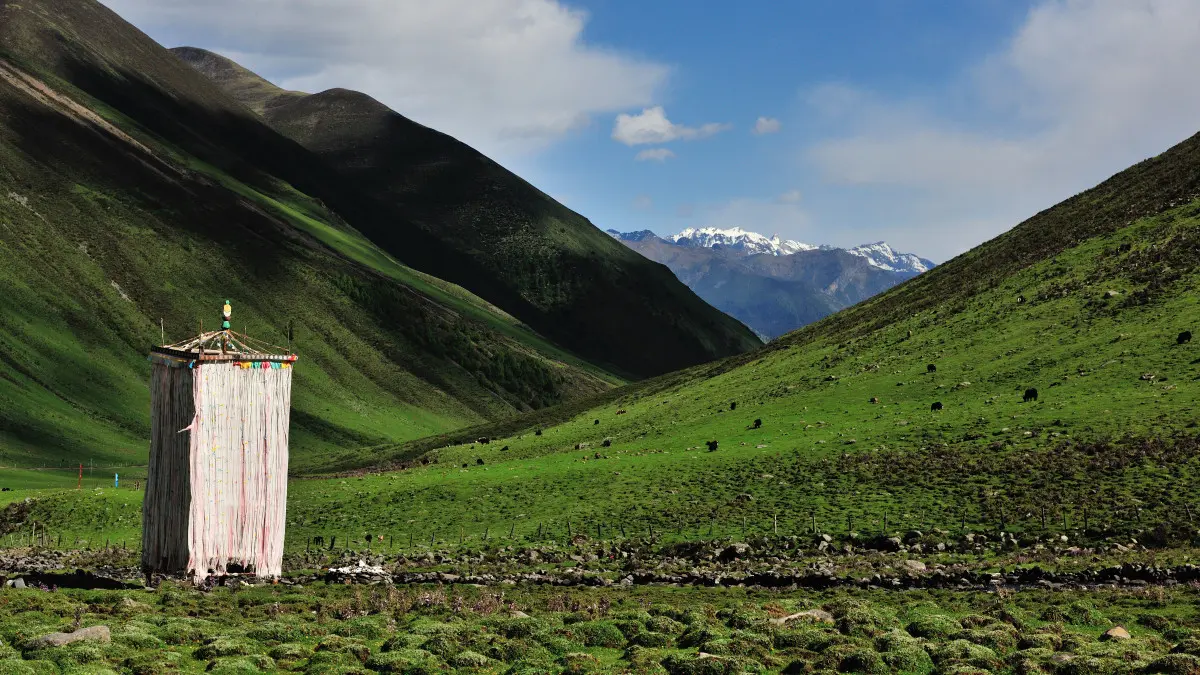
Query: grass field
[339,629]
[1111,437]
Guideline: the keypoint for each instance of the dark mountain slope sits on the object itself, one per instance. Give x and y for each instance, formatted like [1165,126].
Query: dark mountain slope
[251,90]
[544,263]
[132,189]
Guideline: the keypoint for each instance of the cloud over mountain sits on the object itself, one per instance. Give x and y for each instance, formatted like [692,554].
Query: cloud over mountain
[503,75]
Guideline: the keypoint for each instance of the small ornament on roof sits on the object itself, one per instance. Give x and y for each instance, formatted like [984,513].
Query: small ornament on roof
[226,312]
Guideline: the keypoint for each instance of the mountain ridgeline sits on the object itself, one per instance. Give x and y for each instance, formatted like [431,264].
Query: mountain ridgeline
[136,195]
[513,245]
[774,286]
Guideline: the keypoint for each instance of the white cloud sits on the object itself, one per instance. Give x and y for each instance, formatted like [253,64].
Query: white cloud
[652,126]
[787,220]
[654,155]
[790,197]
[507,76]
[767,125]
[1082,90]
[643,203]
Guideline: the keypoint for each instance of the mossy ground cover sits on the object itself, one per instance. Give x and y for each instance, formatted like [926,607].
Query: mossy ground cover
[320,628]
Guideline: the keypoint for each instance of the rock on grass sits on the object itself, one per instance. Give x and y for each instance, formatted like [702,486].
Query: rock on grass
[90,634]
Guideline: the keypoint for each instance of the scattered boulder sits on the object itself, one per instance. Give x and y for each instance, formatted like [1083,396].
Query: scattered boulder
[808,616]
[1115,633]
[734,551]
[915,566]
[91,633]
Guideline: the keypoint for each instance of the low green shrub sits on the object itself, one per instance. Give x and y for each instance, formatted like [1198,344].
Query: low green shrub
[407,661]
[1175,664]
[224,646]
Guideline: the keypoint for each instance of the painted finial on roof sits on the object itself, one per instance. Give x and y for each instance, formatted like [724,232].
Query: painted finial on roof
[226,311]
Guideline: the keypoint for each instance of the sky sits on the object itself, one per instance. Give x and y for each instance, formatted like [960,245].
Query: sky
[933,125]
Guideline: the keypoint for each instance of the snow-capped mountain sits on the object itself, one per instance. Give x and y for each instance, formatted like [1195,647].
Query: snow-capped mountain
[770,284]
[878,254]
[885,257]
[739,239]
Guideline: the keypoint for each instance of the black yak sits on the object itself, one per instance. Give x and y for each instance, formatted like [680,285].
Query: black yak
[936,406]
[1030,395]
[931,368]
[1184,338]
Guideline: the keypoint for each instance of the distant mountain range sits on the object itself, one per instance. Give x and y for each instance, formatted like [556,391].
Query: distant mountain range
[775,285]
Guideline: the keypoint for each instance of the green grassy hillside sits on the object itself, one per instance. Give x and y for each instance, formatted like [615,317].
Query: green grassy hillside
[520,249]
[1092,325]
[120,207]
[847,436]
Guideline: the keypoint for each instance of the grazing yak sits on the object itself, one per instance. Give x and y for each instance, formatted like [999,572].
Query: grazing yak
[1030,395]
[931,368]
[757,423]
[1184,338]
[936,406]
[712,446]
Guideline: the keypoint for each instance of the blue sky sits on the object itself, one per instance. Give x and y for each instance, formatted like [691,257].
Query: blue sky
[931,124]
